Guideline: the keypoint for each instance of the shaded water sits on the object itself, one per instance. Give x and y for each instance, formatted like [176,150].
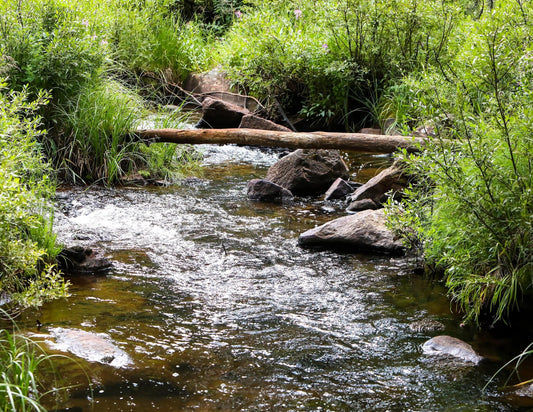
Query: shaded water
[219,309]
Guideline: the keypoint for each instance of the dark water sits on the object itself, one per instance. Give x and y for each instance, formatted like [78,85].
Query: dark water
[219,309]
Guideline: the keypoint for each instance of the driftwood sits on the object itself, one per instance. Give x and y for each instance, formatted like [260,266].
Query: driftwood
[360,142]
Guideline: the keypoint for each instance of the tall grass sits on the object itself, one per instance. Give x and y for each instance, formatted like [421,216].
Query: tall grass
[19,363]
[77,51]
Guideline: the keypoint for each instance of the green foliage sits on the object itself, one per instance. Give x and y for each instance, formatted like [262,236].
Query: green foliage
[168,161]
[149,40]
[331,60]
[26,240]
[215,16]
[97,128]
[48,46]
[19,386]
[26,372]
[75,50]
[474,206]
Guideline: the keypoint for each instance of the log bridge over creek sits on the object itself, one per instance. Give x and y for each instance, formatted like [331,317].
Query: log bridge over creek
[360,142]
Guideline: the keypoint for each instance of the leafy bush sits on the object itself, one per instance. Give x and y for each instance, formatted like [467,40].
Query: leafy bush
[331,60]
[50,47]
[27,243]
[474,208]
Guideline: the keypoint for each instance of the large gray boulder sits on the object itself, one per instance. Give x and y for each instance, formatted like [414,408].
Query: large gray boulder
[218,114]
[362,232]
[450,346]
[308,172]
[391,180]
[264,191]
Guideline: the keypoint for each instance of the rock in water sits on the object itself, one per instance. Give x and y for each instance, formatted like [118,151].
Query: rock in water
[338,190]
[79,260]
[390,180]
[362,232]
[448,345]
[218,114]
[308,172]
[90,346]
[426,325]
[264,191]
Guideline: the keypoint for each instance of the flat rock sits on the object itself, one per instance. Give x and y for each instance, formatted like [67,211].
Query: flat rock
[450,346]
[264,191]
[251,121]
[391,179]
[338,190]
[94,347]
[362,232]
[308,172]
[218,114]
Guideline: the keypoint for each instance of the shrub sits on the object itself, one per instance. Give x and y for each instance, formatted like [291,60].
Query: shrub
[475,210]
[50,47]
[331,60]
[27,243]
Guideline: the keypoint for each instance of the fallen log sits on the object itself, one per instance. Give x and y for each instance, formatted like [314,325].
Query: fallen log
[360,142]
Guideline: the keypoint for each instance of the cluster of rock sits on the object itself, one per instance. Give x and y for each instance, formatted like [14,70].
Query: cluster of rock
[306,172]
[323,172]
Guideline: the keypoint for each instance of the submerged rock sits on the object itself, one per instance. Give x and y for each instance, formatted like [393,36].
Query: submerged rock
[450,346]
[94,347]
[79,260]
[361,232]
[308,172]
[264,191]
[525,390]
[426,325]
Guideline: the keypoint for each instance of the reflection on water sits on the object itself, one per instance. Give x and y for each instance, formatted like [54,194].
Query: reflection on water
[219,309]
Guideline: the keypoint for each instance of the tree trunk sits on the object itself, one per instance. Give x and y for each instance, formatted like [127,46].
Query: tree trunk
[251,137]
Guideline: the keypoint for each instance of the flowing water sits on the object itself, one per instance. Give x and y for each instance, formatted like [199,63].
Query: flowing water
[218,307]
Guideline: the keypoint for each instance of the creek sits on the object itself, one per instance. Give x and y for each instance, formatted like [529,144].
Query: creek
[218,308]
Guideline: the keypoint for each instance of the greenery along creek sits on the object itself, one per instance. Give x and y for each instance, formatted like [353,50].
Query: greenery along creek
[78,75]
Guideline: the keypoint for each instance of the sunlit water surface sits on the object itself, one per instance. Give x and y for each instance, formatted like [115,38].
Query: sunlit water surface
[220,309]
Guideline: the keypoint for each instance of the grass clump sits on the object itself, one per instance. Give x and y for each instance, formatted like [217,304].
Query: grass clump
[78,52]
[19,386]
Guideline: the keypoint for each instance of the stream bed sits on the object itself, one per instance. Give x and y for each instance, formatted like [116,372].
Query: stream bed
[218,308]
